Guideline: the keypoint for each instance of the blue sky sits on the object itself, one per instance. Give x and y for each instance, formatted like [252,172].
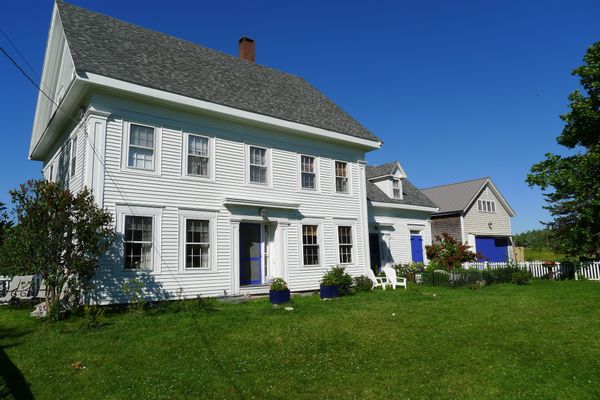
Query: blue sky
[457,90]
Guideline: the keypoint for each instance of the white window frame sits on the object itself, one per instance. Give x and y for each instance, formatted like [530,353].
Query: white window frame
[320,242]
[348,177]
[51,172]
[352,226]
[73,156]
[316,172]
[141,211]
[211,217]
[211,157]
[268,165]
[157,148]
[486,206]
[399,188]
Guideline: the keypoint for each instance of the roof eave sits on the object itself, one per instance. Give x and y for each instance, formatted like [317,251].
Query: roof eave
[380,204]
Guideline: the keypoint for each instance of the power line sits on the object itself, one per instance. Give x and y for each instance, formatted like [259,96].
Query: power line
[19,53]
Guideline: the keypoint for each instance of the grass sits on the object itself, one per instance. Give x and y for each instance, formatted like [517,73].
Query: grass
[541,254]
[500,342]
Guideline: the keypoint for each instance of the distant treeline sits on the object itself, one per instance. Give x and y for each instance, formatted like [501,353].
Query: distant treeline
[535,239]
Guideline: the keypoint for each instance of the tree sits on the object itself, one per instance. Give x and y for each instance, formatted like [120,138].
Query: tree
[5,222]
[58,235]
[571,183]
[448,253]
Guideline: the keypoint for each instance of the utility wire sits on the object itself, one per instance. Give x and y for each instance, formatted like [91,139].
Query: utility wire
[19,53]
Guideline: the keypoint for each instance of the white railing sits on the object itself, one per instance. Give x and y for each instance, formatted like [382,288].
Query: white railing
[587,269]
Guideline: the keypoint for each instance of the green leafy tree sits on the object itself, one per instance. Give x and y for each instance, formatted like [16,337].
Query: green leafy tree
[59,235]
[5,222]
[448,254]
[572,183]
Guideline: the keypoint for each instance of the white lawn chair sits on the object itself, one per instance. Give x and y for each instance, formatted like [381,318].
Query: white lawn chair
[393,280]
[24,291]
[378,281]
[41,292]
[13,286]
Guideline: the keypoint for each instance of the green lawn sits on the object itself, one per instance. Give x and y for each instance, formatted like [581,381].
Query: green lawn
[541,254]
[540,341]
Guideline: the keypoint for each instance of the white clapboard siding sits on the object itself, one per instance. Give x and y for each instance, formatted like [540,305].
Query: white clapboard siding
[487,223]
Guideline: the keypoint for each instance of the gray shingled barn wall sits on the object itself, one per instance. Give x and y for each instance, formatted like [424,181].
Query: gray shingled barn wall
[448,224]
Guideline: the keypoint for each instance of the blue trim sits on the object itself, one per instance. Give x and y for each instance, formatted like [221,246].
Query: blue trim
[259,258]
[416,247]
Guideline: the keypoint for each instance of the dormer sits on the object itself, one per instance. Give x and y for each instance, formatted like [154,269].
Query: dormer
[388,178]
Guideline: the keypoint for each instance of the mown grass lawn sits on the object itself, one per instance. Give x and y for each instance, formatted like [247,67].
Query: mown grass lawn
[505,341]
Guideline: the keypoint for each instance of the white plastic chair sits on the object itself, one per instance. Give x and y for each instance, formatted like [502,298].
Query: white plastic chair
[13,286]
[378,281]
[24,290]
[393,280]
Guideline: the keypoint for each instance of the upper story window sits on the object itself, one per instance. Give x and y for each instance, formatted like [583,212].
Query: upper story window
[198,155]
[345,244]
[258,165]
[396,189]
[141,147]
[341,177]
[73,165]
[51,173]
[310,244]
[138,242]
[308,172]
[486,206]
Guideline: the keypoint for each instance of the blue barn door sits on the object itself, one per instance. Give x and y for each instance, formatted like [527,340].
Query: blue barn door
[492,249]
[416,247]
[250,254]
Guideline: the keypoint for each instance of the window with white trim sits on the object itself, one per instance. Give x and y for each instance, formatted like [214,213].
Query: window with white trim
[73,163]
[310,244]
[396,189]
[138,244]
[345,244]
[341,177]
[197,244]
[486,206]
[258,165]
[198,155]
[51,173]
[308,172]
[142,141]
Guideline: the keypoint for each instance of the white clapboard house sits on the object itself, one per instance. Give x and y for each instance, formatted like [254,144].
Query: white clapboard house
[221,173]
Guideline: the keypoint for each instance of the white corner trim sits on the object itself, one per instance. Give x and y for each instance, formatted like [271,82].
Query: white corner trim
[104,81]
[402,206]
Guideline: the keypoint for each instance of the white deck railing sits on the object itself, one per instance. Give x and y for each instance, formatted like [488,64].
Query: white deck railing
[586,269]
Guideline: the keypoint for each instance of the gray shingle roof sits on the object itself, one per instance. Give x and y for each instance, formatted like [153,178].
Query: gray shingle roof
[410,195]
[455,197]
[374,171]
[106,46]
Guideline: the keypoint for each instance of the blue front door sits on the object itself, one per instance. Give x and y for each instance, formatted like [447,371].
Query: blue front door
[250,254]
[492,249]
[416,247]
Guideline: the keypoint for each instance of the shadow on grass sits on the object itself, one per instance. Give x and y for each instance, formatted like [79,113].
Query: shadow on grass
[12,382]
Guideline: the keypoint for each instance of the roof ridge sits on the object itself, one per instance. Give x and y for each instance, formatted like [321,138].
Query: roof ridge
[457,183]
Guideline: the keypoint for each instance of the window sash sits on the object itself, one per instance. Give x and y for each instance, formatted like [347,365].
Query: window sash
[141,147]
[258,165]
[73,155]
[396,189]
[138,242]
[308,172]
[197,244]
[310,244]
[198,155]
[345,244]
[341,177]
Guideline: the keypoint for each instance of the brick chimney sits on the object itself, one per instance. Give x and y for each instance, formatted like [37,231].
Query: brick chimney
[246,46]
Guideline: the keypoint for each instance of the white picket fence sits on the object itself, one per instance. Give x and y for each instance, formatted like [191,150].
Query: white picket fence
[587,269]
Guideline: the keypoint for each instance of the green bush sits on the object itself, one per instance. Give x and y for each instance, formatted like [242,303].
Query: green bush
[362,284]
[94,316]
[521,277]
[278,285]
[337,276]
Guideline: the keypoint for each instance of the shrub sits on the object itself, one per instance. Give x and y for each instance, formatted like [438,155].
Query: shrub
[94,316]
[206,304]
[448,253]
[278,285]
[133,289]
[362,284]
[337,276]
[521,277]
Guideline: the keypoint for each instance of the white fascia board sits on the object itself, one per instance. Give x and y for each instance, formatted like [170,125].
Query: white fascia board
[403,206]
[260,203]
[503,201]
[225,111]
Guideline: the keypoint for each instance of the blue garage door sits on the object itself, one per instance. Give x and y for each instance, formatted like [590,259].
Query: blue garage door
[492,249]
[416,246]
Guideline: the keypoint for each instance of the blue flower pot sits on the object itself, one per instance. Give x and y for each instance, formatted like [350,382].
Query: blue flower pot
[329,292]
[279,297]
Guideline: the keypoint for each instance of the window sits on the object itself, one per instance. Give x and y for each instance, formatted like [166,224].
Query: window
[308,172]
[486,206]
[397,190]
[138,242]
[51,173]
[345,244]
[341,177]
[197,243]
[197,155]
[141,147]
[73,155]
[258,165]
[310,244]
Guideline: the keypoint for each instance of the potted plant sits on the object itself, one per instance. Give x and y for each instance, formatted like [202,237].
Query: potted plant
[279,292]
[550,265]
[329,286]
